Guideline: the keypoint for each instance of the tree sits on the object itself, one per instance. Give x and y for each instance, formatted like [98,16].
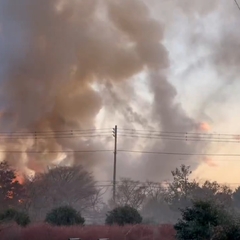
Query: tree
[64,216]
[227,232]
[22,219]
[180,185]
[130,193]
[9,215]
[155,209]
[12,192]
[214,191]
[181,189]
[123,216]
[61,186]
[199,221]
[236,198]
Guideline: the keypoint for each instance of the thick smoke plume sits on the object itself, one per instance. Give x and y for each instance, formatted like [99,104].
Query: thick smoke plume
[53,52]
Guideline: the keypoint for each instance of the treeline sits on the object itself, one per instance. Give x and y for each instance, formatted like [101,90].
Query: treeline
[73,186]
[161,202]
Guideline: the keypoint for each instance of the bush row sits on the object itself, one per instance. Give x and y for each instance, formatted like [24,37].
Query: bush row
[68,216]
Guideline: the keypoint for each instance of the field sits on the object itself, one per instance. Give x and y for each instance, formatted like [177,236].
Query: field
[46,232]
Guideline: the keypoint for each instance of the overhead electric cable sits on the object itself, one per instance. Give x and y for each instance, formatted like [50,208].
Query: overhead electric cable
[237,4]
[182,154]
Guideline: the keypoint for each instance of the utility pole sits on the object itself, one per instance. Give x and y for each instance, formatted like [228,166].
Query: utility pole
[114,163]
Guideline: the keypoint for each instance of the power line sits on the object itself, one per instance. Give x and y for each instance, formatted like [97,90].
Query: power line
[181,154]
[123,132]
[157,132]
[237,4]
[55,132]
[160,187]
[56,137]
[149,183]
[50,152]
[187,138]
[180,136]
[125,151]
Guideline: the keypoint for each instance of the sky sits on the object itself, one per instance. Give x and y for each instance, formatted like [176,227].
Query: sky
[202,91]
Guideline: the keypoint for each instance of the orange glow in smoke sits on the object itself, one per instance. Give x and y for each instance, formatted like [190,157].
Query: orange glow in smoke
[205,127]
[210,162]
[19,179]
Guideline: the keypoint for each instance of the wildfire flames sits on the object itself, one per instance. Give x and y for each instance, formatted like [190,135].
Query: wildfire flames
[20,179]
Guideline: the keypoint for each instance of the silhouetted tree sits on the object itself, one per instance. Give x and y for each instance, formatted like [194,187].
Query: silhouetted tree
[12,193]
[200,220]
[64,216]
[12,215]
[236,198]
[123,216]
[181,190]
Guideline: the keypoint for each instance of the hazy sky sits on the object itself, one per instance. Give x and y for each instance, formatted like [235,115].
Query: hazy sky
[203,41]
[208,88]
[172,65]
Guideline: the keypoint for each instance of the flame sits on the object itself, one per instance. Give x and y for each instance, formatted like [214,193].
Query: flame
[205,127]
[20,179]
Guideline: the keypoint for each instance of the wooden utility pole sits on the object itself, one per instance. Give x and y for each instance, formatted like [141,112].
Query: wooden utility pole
[114,163]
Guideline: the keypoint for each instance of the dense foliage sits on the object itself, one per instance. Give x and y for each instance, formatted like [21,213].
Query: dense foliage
[207,220]
[123,215]
[11,191]
[12,215]
[64,216]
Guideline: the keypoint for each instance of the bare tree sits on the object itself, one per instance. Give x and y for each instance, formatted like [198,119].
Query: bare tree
[61,186]
[130,192]
[96,214]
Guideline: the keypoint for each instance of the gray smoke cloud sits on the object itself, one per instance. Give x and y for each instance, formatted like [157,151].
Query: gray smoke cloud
[53,52]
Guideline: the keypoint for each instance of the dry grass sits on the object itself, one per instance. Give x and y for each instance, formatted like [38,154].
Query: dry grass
[46,232]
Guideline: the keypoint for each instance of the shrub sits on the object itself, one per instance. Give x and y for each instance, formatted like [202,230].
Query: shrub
[123,215]
[229,231]
[8,215]
[21,218]
[64,216]
[199,221]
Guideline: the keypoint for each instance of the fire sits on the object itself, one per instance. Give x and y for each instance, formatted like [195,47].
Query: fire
[19,179]
[205,127]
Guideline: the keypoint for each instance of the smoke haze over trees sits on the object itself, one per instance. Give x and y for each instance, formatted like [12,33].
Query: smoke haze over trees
[63,63]
[75,187]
